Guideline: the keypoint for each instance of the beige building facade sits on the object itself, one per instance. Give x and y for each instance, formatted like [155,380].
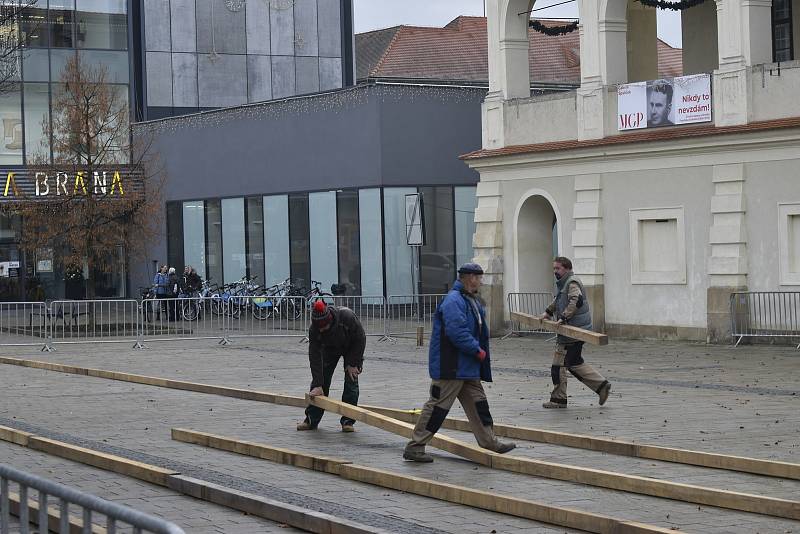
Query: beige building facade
[663,224]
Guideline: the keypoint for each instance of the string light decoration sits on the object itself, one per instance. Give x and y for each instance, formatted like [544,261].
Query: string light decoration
[537,26]
[674,6]
[281,5]
[337,101]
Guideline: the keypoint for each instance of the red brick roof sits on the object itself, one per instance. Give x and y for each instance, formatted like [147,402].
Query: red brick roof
[459,52]
[662,134]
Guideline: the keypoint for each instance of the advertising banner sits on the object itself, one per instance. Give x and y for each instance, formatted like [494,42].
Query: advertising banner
[664,102]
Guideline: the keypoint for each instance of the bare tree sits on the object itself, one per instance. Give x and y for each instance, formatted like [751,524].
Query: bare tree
[12,13]
[93,196]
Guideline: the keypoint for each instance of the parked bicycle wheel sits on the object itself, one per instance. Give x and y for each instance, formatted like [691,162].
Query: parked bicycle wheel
[190,310]
[262,308]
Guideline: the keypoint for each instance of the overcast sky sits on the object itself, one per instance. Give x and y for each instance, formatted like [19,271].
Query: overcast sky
[375,14]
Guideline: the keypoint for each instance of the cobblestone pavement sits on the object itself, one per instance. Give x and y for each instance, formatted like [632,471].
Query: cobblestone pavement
[741,401]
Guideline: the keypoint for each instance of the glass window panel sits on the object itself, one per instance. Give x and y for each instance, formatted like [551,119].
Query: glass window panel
[11,117]
[276,239]
[58,62]
[116,150]
[115,63]
[62,24]
[437,260]
[102,24]
[175,237]
[371,234]
[322,234]
[299,251]
[33,25]
[214,241]
[36,65]
[234,263]
[349,241]
[465,203]
[37,117]
[194,238]
[398,253]
[254,211]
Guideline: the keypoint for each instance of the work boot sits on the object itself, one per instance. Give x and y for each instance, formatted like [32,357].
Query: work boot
[604,393]
[305,425]
[348,427]
[551,404]
[503,448]
[417,457]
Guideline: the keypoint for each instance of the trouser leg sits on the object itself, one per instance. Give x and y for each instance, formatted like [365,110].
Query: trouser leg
[314,413]
[584,372]
[349,395]
[558,373]
[473,400]
[443,394]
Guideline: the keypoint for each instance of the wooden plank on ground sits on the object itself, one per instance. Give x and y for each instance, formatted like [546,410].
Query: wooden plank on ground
[593,477]
[53,516]
[573,332]
[495,502]
[12,435]
[108,462]
[612,446]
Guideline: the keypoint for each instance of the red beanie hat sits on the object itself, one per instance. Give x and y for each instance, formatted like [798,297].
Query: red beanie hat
[321,315]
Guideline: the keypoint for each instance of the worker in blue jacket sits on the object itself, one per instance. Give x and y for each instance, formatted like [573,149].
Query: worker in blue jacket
[458,359]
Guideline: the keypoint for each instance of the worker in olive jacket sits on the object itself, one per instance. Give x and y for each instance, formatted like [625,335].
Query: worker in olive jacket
[458,359]
[335,333]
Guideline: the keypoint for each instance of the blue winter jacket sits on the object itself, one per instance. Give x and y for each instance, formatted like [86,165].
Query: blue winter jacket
[456,339]
[161,281]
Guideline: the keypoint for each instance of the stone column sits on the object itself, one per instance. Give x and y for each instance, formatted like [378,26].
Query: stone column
[587,243]
[488,245]
[727,266]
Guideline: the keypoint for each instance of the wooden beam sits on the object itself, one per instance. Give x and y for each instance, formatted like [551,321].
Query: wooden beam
[611,446]
[494,502]
[53,517]
[565,330]
[593,477]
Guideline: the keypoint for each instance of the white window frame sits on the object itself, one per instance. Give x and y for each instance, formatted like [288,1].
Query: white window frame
[786,210]
[640,277]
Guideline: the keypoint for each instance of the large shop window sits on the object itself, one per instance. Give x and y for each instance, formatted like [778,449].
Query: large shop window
[782,31]
[214,241]
[371,235]
[349,242]
[465,203]
[437,259]
[194,238]
[11,116]
[175,240]
[658,246]
[322,233]
[234,264]
[102,24]
[399,267]
[299,249]
[33,25]
[276,239]
[37,118]
[254,215]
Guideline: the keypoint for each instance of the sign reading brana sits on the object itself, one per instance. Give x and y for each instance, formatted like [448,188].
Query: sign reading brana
[42,185]
[664,102]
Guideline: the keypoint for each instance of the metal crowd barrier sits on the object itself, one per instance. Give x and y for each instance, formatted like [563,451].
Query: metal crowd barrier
[530,303]
[407,312]
[89,504]
[371,311]
[770,314]
[96,321]
[260,316]
[25,323]
[178,319]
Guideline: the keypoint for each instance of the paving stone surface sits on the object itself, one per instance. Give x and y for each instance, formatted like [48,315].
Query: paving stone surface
[741,401]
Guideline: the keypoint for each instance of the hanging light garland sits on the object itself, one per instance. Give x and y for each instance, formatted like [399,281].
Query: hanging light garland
[675,6]
[537,26]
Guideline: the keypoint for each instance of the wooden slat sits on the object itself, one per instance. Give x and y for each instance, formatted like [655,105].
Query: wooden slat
[612,446]
[593,477]
[495,502]
[565,330]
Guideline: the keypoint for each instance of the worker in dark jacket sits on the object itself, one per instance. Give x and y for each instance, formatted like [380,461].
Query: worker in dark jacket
[335,332]
[458,359]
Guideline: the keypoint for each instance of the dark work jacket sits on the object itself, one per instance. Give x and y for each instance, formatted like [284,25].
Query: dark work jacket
[345,338]
[456,339]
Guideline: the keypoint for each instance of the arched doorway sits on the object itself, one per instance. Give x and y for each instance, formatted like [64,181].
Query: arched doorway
[537,242]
